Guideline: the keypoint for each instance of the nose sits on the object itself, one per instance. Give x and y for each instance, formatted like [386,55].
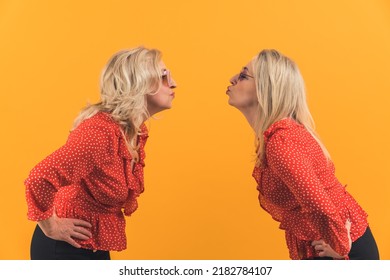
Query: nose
[233,80]
[173,84]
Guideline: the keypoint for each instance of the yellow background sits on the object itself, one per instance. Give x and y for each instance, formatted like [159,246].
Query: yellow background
[200,200]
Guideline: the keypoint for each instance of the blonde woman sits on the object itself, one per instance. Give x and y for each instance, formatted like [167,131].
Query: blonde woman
[80,193]
[295,175]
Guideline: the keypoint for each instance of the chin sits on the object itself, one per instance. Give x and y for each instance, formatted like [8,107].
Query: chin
[165,108]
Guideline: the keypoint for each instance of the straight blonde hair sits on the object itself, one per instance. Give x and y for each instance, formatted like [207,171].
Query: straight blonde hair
[281,93]
[128,77]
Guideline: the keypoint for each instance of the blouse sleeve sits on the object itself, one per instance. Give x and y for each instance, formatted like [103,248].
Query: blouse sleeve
[85,149]
[287,157]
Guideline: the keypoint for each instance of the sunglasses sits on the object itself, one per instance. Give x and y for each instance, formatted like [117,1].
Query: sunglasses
[243,75]
[166,78]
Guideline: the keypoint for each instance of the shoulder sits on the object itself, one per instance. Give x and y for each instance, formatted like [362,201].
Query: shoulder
[287,142]
[285,132]
[100,128]
[100,122]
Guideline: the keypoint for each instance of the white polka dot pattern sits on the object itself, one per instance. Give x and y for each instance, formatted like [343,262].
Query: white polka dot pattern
[90,178]
[298,187]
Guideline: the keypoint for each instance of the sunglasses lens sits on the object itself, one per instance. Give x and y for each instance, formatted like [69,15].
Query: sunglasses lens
[167,78]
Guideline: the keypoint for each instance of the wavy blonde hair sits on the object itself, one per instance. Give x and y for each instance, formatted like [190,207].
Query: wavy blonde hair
[281,93]
[128,77]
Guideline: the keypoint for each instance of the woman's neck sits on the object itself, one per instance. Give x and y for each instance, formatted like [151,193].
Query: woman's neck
[251,115]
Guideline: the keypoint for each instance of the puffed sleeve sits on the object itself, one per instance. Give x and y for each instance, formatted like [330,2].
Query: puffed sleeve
[87,147]
[318,217]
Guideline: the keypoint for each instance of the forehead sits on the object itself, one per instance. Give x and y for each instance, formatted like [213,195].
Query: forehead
[249,67]
[162,65]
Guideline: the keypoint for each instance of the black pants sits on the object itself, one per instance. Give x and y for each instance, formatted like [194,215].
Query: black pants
[45,248]
[363,248]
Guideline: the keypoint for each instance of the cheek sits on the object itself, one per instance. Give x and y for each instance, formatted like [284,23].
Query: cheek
[252,93]
[252,96]
[247,97]
[158,99]
[153,99]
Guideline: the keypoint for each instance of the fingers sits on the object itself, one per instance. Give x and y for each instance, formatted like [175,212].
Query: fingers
[82,231]
[68,230]
[80,236]
[81,223]
[348,225]
[72,242]
[76,232]
[318,242]
[324,250]
[322,254]
[319,247]
[79,231]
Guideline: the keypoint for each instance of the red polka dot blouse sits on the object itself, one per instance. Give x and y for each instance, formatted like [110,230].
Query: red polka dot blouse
[298,187]
[90,178]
